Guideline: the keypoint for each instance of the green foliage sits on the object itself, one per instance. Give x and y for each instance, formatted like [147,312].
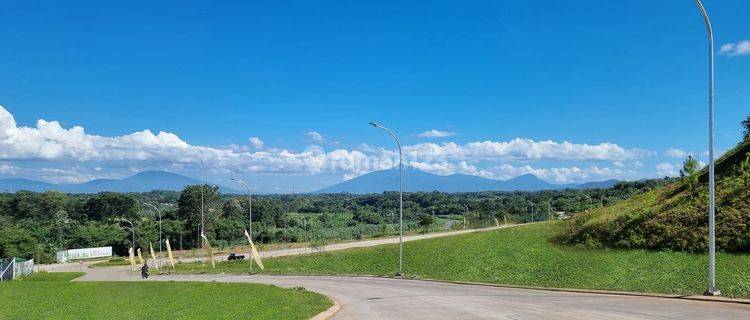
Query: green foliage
[689,174]
[519,256]
[151,300]
[16,242]
[57,220]
[746,127]
[675,216]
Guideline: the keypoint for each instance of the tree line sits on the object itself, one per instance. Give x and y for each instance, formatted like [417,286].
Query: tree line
[36,225]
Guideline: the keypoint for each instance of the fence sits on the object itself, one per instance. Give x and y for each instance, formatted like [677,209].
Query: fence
[10,269]
[7,269]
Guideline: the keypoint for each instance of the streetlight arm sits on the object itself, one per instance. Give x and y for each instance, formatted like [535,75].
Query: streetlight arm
[706,19]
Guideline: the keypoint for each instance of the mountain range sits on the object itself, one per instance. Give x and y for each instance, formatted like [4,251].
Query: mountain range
[373,182]
[141,182]
[417,180]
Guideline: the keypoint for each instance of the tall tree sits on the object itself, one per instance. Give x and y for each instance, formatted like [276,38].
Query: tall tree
[189,208]
[746,127]
[689,174]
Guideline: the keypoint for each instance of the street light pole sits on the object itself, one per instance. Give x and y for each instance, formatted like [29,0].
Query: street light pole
[400,199]
[250,201]
[159,213]
[132,229]
[532,211]
[711,177]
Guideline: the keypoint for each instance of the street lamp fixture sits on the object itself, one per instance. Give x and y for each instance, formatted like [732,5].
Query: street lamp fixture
[158,212]
[250,200]
[712,291]
[400,199]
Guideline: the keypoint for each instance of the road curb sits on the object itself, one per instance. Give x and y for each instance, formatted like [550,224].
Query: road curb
[330,312]
[570,290]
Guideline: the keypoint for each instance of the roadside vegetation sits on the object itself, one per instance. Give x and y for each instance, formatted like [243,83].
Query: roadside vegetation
[675,217]
[35,225]
[52,296]
[523,256]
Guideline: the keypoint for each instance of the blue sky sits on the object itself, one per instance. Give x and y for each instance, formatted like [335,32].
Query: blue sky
[622,81]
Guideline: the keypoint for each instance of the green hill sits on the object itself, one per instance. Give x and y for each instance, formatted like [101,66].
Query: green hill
[674,217]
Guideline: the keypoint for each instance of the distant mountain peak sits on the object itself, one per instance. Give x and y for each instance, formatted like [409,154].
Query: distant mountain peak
[140,182]
[418,180]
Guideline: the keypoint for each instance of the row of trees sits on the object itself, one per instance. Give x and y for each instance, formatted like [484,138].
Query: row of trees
[38,224]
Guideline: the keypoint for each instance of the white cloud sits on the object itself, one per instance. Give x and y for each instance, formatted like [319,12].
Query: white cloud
[675,153]
[565,174]
[665,169]
[618,164]
[521,149]
[256,142]
[740,48]
[436,134]
[316,136]
[49,142]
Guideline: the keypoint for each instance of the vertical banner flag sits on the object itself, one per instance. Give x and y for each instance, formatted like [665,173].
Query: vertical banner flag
[210,251]
[140,257]
[169,253]
[256,255]
[132,259]
[153,256]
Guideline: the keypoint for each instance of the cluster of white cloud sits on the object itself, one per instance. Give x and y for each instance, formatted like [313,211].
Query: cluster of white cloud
[49,141]
[521,149]
[736,49]
[256,142]
[675,153]
[436,134]
[315,136]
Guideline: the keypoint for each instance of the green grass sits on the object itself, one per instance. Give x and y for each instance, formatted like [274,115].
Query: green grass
[53,276]
[114,262]
[153,300]
[521,256]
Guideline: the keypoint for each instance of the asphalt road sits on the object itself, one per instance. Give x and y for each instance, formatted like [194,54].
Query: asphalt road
[382,298]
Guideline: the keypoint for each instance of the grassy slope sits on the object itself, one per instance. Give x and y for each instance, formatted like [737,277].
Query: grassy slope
[521,256]
[50,296]
[670,218]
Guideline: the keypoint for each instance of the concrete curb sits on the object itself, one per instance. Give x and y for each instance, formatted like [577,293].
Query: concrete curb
[570,290]
[325,315]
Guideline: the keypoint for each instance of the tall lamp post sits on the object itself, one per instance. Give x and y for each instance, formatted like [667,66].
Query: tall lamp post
[532,210]
[400,198]
[711,182]
[250,200]
[159,213]
[132,229]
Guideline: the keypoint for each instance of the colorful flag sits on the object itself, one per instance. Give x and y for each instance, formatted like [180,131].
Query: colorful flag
[210,251]
[256,255]
[153,256]
[132,259]
[169,253]
[140,257]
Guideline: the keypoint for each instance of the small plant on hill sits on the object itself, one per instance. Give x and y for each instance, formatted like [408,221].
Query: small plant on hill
[745,171]
[746,127]
[689,174]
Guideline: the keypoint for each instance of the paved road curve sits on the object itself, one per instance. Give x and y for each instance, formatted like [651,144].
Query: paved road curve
[381,298]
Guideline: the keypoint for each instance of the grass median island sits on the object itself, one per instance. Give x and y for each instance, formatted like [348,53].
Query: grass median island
[52,296]
[521,256]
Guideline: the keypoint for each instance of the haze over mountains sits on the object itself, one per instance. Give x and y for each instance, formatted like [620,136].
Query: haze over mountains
[141,182]
[374,182]
[416,180]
